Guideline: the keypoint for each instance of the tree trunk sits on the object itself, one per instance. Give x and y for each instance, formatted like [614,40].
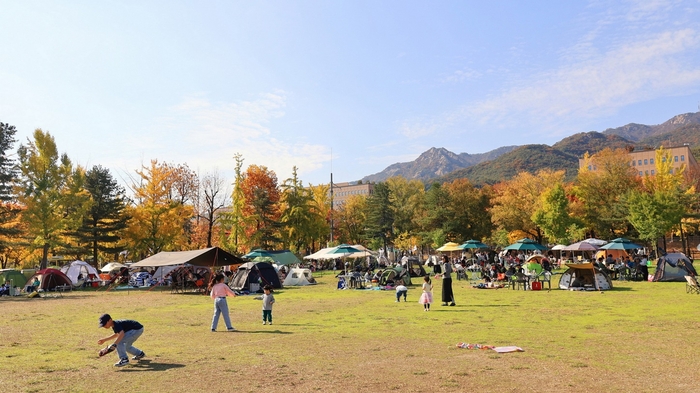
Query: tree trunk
[44,257]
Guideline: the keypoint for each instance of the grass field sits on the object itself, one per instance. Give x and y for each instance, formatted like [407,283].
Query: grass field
[639,337]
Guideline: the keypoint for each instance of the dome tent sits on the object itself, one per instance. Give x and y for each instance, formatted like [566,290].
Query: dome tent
[253,276]
[673,267]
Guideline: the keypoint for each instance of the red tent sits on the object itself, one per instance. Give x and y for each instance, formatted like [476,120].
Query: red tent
[50,279]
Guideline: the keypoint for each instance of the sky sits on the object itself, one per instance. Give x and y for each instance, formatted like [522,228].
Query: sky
[347,87]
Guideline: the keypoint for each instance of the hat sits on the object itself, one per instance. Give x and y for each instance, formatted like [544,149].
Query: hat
[104,318]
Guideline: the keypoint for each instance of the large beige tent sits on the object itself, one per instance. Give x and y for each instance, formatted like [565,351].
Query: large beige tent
[210,257]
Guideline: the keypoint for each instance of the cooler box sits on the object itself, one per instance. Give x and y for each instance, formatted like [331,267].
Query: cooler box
[536,286]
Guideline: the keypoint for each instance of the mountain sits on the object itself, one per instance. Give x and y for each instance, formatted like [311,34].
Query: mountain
[527,158]
[435,162]
[637,132]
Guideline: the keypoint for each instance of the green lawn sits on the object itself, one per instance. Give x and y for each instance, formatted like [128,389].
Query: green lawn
[640,336]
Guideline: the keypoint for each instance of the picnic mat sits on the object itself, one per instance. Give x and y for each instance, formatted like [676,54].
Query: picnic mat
[497,349]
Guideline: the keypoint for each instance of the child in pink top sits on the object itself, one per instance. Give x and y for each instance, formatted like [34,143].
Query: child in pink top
[219,292]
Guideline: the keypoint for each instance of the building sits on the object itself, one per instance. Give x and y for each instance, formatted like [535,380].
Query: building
[643,161]
[343,191]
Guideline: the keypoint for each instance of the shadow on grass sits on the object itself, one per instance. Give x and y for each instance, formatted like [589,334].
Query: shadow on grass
[148,365]
[49,296]
[264,331]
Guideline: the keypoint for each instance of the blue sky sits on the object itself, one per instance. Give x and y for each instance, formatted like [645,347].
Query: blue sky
[368,83]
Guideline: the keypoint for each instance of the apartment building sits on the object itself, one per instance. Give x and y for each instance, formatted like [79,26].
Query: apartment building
[643,161]
[343,191]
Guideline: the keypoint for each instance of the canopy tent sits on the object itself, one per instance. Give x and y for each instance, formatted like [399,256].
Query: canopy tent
[318,254]
[584,276]
[526,244]
[674,267]
[341,251]
[213,256]
[595,242]
[280,257]
[162,274]
[111,266]
[14,277]
[558,247]
[79,271]
[299,277]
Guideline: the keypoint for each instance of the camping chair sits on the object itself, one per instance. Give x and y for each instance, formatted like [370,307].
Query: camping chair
[520,279]
[545,277]
[691,285]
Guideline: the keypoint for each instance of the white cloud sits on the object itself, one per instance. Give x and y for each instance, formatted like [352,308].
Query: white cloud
[461,75]
[206,135]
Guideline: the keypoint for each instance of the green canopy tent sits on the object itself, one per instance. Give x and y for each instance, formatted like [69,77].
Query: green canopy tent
[620,244]
[526,244]
[280,257]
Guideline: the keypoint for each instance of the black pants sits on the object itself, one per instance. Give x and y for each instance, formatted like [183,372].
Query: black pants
[447,295]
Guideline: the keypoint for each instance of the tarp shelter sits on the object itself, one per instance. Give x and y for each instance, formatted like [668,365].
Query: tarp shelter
[50,279]
[213,256]
[162,274]
[280,257]
[14,277]
[590,277]
[674,267]
[299,277]
[79,268]
[252,276]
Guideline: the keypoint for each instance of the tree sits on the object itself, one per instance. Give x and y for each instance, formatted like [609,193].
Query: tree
[516,200]
[105,218]
[10,225]
[261,206]
[407,199]
[158,216]
[553,214]
[469,216]
[601,191]
[380,217]
[437,213]
[320,215]
[42,189]
[296,217]
[232,221]
[215,198]
[350,219]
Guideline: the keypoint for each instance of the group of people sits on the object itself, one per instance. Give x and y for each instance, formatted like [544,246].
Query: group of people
[624,267]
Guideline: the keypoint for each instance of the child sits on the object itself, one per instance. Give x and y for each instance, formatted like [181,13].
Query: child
[267,300]
[401,290]
[126,332]
[427,296]
[219,292]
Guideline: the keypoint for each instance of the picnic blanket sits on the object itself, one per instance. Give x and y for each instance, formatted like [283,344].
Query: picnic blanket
[497,349]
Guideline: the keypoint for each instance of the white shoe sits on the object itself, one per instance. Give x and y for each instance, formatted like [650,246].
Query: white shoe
[264,322]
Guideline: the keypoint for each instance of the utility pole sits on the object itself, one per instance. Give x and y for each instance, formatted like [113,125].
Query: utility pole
[331,212]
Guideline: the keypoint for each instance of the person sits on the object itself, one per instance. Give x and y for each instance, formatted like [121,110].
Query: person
[447,295]
[219,291]
[126,331]
[5,289]
[401,290]
[267,301]
[426,298]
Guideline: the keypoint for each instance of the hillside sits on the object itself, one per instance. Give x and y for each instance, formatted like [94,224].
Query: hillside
[689,134]
[529,158]
[578,144]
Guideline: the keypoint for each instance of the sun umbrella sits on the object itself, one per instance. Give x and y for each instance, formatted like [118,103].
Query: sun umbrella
[558,247]
[595,242]
[620,244]
[580,246]
[526,244]
[449,246]
[472,244]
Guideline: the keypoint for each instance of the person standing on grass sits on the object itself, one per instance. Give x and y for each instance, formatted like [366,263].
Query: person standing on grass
[267,300]
[219,291]
[447,295]
[426,298]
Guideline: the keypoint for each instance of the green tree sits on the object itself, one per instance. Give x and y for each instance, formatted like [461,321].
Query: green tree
[380,216]
[469,216]
[10,226]
[232,221]
[434,221]
[42,188]
[105,218]
[553,214]
[296,213]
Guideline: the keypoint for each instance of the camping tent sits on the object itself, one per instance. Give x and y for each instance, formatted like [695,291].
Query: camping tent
[50,279]
[592,277]
[397,274]
[299,277]
[674,267]
[82,269]
[252,276]
[213,256]
[18,279]
[111,266]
